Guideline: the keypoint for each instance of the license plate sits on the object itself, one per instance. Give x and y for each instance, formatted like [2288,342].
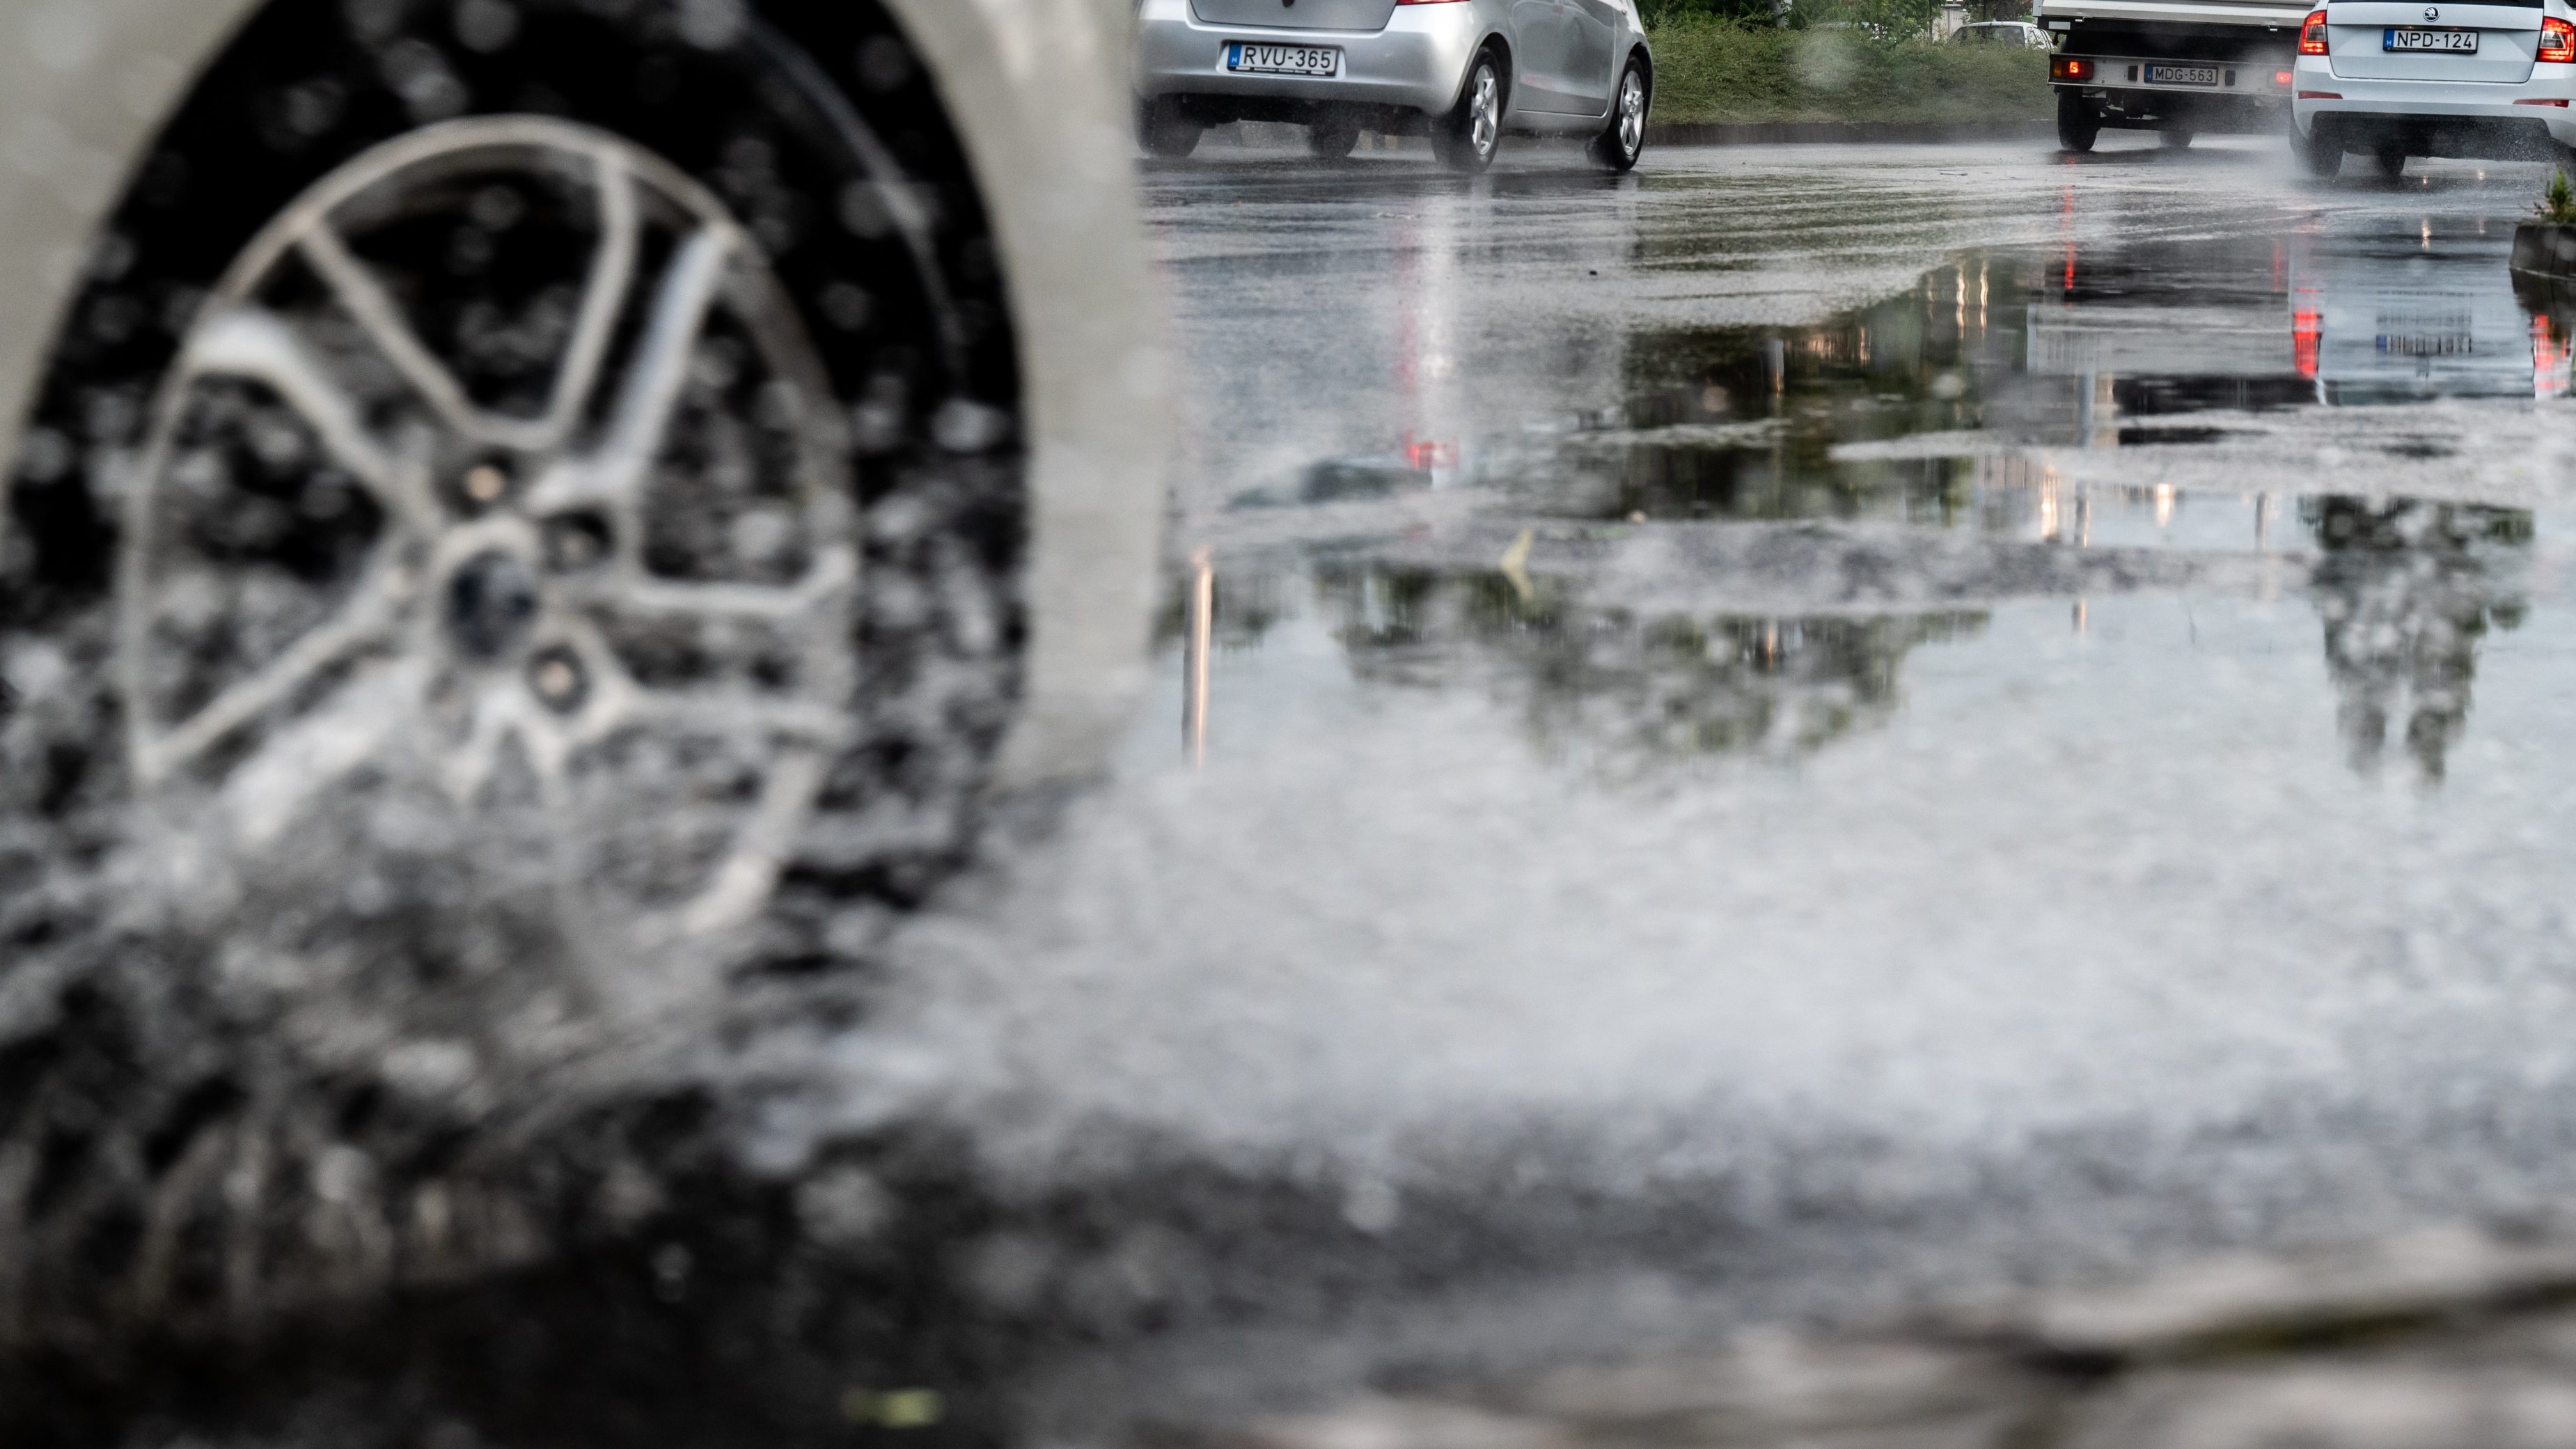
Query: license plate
[2450,42]
[1283,59]
[2182,75]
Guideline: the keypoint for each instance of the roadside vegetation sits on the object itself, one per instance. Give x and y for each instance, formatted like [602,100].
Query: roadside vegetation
[2557,201]
[1875,65]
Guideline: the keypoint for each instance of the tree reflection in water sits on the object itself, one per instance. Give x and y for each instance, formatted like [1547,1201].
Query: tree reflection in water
[2407,590]
[1629,693]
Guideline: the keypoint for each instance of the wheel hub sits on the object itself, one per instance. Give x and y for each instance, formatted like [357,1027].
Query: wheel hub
[491,605]
[640,545]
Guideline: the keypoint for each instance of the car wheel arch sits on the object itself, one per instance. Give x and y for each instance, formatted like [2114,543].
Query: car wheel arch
[1501,46]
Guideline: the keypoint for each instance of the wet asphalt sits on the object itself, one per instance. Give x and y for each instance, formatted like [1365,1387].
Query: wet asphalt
[1807,731]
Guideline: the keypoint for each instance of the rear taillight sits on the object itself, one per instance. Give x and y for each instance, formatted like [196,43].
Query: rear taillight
[2312,34]
[2557,40]
[2070,68]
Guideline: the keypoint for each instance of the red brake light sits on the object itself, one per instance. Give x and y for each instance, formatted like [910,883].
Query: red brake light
[2557,40]
[2280,77]
[2312,34]
[2070,68]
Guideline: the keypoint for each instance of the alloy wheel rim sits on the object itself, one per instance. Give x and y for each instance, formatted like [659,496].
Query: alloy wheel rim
[1632,114]
[1488,110]
[526,575]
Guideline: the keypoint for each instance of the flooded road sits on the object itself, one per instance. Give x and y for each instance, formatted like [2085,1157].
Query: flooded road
[1808,739]
[1809,728]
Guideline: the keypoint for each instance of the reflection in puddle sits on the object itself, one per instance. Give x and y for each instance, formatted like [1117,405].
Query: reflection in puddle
[1624,692]
[2033,350]
[1961,407]
[2407,591]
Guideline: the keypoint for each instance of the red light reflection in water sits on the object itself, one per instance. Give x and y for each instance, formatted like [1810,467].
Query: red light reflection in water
[2306,328]
[2066,229]
[1425,456]
[2551,350]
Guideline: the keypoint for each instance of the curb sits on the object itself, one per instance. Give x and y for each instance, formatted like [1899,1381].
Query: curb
[1769,133]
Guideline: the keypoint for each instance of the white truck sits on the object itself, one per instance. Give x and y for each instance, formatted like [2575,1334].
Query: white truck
[2177,67]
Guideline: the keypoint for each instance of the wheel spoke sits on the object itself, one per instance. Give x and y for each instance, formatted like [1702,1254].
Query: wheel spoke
[833,572]
[321,749]
[761,849]
[258,347]
[651,391]
[368,620]
[612,271]
[381,319]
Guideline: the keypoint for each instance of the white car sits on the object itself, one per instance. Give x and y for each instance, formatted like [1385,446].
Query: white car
[1463,72]
[712,447]
[2394,80]
[2003,32]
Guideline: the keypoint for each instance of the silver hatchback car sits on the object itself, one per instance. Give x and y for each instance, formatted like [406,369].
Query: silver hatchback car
[1463,72]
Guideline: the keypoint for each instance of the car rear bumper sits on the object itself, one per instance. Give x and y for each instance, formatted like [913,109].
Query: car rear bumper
[1416,63]
[2250,78]
[2441,118]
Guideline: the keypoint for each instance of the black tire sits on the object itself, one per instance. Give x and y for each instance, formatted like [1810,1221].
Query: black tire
[1467,138]
[1165,130]
[2175,139]
[2079,121]
[2389,162]
[349,929]
[2319,153]
[1623,139]
[1333,138]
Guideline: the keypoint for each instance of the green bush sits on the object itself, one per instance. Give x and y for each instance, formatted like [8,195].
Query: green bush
[1715,70]
[2557,201]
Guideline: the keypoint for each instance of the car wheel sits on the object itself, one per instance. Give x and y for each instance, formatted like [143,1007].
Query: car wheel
[2175,139]
[1624,140]
[2319,152]
[2079,121]
[1165,130]
[1467,138]
[542,518]
[2389,163]
[1332,138]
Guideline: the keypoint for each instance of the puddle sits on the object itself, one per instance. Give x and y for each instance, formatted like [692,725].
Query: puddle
[1962,406]
[2046,349]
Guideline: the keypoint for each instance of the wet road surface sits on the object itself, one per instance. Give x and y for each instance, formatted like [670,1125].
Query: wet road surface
[1806,730]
